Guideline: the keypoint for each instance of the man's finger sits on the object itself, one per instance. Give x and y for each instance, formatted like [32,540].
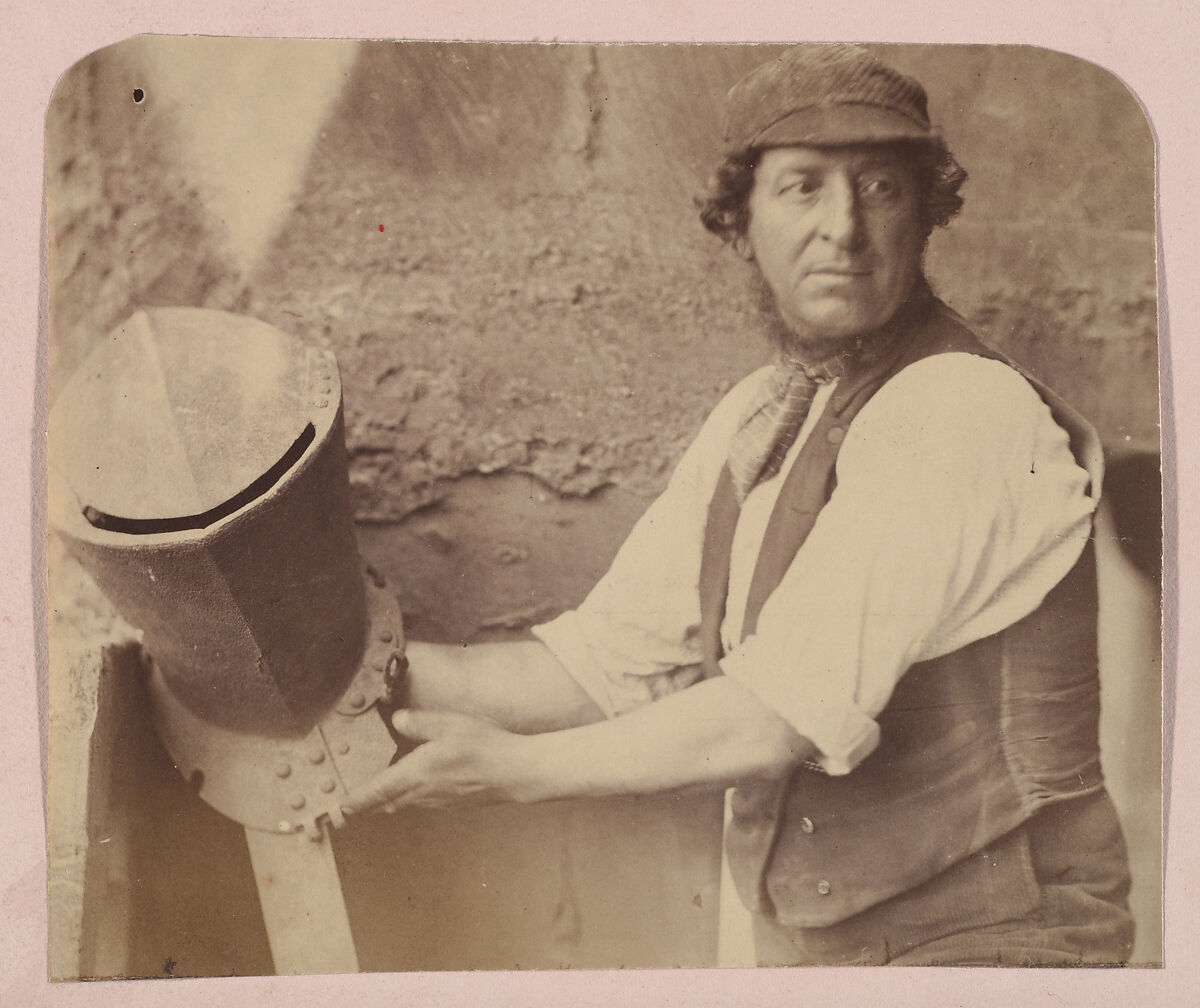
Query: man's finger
[421,726]
[389,787]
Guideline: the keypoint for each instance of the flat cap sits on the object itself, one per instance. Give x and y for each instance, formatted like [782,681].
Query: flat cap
[825,95]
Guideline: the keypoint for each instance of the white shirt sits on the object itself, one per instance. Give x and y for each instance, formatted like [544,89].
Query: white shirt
[958,507]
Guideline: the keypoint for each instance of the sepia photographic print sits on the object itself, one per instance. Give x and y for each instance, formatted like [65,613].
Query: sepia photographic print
[570,506]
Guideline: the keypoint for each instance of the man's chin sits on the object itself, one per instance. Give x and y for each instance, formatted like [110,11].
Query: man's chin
[818,336]
[828,326]
[811,349]
[834,318]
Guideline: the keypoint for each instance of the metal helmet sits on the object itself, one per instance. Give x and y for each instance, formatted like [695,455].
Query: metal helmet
[198,472]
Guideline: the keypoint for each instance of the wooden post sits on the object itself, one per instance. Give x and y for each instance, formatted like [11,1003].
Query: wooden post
[302,903]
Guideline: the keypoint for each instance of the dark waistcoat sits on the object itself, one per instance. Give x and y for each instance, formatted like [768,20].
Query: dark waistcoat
[972,743]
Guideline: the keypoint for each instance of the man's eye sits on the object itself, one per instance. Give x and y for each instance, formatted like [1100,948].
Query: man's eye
[880,188]
[801,187]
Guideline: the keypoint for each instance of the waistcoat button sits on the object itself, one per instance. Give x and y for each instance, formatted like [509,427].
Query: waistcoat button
[836,435]
[823,887]
[806,825]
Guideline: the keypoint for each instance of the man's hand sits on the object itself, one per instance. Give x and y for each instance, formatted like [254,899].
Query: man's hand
[460,761]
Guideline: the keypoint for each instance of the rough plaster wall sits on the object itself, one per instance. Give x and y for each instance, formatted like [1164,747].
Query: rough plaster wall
[542,301]
[568,238]
[499,243]
[540,278]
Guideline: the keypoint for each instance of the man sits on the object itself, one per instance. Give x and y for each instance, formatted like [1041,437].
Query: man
[866,599]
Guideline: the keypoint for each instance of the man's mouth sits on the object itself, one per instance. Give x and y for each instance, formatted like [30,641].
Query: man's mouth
[839,271]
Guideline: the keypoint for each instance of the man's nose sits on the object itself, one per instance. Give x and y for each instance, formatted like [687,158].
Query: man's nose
[841,222]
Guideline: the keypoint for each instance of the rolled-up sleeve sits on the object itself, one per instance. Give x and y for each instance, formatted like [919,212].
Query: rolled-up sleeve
[958,507]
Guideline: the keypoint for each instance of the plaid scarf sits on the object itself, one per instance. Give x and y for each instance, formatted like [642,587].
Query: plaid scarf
[771,426]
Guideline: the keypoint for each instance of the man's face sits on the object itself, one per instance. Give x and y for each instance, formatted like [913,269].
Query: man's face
[837,235]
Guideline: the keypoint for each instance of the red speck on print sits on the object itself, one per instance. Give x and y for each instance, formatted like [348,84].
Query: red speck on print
[380,227]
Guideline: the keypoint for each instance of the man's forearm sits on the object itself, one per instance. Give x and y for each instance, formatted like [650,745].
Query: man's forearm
[714,733]
[476,715]
[520,685]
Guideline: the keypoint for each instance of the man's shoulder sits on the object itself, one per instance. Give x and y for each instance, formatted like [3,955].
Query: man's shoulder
[708,449]
[947,360]
[956,376]
[953,366]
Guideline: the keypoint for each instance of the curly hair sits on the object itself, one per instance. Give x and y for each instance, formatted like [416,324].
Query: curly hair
[725,206]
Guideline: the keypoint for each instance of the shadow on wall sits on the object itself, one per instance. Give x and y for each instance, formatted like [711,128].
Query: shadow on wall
[171,162]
